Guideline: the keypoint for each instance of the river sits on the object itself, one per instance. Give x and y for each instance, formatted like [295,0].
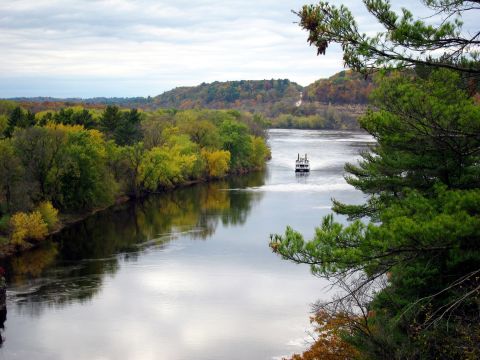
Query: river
[186,274]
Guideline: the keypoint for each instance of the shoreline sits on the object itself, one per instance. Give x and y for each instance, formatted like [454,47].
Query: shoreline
[69,219]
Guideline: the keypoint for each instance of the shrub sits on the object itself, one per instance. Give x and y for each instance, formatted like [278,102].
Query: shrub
[27,226]
[260,152]
[49,214]
[217,162]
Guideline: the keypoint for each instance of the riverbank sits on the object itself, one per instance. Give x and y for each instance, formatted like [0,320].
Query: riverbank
[65,220]
[69,219]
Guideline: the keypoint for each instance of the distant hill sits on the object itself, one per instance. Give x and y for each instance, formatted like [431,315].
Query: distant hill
[345,87]
[343,96]
[40,103]
[249,95]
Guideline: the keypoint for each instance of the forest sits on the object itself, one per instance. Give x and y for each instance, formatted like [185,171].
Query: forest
[333,103]
[55,164]
[345,87]
[406,265]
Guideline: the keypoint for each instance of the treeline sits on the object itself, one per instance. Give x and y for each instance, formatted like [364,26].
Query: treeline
[77,159]
[270,98]
[319,117]
[41,103]
[222,93]
[267,97]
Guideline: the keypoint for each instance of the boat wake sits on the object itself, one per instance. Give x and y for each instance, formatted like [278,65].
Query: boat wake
[296,187]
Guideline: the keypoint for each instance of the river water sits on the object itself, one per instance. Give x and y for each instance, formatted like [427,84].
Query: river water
[187,274]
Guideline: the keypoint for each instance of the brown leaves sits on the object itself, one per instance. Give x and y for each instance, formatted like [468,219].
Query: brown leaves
[330,343]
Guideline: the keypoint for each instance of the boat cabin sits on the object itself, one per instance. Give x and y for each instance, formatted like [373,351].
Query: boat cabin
[302,164]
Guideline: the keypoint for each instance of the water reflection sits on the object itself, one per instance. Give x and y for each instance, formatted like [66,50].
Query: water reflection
[302,177]
[184,275]
[70,267]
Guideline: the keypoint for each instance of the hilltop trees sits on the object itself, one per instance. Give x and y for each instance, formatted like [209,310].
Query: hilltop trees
[346,87]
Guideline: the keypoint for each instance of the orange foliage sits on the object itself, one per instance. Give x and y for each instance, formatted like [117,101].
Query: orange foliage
[330,344]
[346,87]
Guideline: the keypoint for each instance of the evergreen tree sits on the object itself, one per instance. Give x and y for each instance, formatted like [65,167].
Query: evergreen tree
[422,178]
[127,130]
[423,183]
[14,120]
[110,119]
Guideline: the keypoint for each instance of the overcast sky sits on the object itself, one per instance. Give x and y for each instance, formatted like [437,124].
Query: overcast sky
[86,48]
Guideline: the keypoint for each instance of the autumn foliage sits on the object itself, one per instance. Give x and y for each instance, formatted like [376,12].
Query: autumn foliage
[77,159]
[345,87]
[49,214]
[27,226]
[330,330]
[217,162]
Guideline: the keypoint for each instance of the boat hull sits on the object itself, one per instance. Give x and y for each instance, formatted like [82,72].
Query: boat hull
[302,170]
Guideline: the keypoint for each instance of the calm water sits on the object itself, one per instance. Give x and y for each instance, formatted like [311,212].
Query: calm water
[184,275]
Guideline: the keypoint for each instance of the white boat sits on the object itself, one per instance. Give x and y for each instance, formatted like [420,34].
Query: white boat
[302,164]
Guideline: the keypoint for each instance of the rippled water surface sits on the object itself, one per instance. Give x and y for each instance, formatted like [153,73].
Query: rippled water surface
[184,275]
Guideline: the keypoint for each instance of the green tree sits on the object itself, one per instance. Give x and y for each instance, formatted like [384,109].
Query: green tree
[237,141]
[124,163]
[20,118]
[71,116]
[152,129]
[44,117]
[39,149]
[83,117]
[202,132]
[427,132]
[84,180]
[3,125]
[159,169]
[11,172]
[260,152]
[127,129]
[16,117]
[64,116]
[110,119]
[422,179]
[423,183]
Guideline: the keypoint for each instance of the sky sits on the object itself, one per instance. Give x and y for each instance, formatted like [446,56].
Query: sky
[124,48]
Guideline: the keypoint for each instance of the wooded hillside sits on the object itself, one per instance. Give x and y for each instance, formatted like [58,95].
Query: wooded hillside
[335,102]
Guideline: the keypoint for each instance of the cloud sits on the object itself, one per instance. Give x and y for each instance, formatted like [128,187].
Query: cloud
[69,48]
[144,47]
